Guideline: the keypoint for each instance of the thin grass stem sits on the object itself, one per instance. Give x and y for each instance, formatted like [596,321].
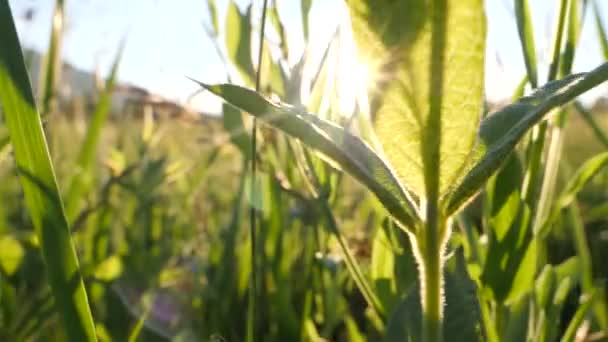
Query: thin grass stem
[252,333]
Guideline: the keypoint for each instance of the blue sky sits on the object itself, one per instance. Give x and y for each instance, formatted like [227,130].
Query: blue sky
[166,40]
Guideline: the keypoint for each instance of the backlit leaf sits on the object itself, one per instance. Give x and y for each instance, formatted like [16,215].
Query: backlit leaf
[40,189]
[340,148]
[425,60]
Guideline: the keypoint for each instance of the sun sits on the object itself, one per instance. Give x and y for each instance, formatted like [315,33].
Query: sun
[353,74]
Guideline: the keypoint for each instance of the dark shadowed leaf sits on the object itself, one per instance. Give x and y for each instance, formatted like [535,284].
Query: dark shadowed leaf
[501,131]
[462,320]
[508,271]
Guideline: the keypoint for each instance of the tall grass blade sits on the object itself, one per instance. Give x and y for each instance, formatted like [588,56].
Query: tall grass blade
[368,293]
[53,58]
[581,177]
[601,30]
[305,6]
[86,156]
[579,316]
[212,8]
[526,36]
[253,333]
[39,185]
[275,19]
[587,116]
[238,41]
[583,251]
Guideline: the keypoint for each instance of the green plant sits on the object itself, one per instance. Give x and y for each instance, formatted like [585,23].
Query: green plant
[159,208]
[437,161]
[40,187]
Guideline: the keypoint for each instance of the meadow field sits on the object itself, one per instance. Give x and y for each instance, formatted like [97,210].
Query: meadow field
[429,214]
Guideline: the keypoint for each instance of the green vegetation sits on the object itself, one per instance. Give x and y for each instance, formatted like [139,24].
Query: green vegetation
[420,217]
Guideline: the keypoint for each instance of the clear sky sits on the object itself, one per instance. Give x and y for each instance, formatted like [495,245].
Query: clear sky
[166,39]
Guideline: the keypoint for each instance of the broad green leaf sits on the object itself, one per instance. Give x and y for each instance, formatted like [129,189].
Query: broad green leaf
[39,185]
[526,36]
[501,131]
[426,64]
[11,254]
[343,149]
[238,41]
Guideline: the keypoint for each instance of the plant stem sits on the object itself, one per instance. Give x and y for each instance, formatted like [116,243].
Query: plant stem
[430,243]
[251,321]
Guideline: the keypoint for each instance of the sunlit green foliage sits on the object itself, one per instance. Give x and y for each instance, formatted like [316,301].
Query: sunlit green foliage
[508,229]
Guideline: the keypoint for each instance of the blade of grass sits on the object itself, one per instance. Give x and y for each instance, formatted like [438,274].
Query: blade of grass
[53,59]
[321,196]
[577,226]
[579,315]
[526,37]
[556,132]
[535,149]
[87,154]
[354,269]
[568,196]
[39,185]
[601,30]
[305,6]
